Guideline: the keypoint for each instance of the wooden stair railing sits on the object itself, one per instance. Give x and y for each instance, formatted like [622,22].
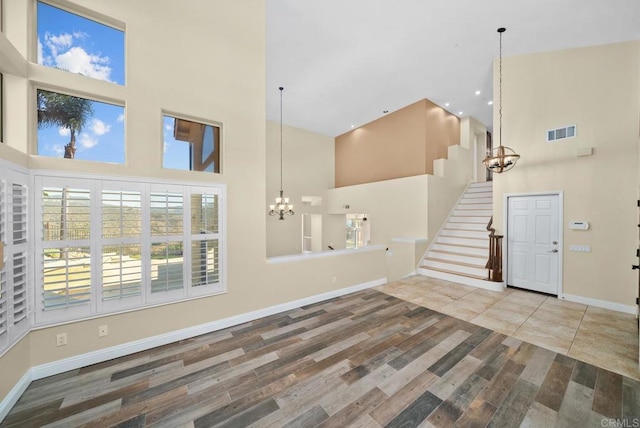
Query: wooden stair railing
[495,254]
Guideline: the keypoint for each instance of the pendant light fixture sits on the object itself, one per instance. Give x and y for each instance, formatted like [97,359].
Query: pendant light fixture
[502,158]
[282,205]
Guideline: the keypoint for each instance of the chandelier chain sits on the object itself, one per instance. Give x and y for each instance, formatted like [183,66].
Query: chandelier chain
[500,106]
[281,89]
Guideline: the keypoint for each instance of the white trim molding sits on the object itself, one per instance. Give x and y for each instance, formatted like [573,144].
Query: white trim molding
[619,307]
[308,256]
[75,362]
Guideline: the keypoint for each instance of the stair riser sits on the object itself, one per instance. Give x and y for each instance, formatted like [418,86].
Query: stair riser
[467,226]
[464,250]
[474,207]
[468,201]
[454,267]
[476,213]
[475,219]
[487,285]
[476,195]
[481,263]
[479,189]
[456,240]
[466,233]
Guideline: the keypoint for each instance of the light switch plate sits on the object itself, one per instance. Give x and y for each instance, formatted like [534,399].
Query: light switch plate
[580,248]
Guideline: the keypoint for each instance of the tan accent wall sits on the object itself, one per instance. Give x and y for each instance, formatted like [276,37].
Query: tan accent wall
[401,144]
[597,89]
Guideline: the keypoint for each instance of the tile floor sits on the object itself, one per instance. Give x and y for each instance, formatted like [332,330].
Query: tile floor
[597,336]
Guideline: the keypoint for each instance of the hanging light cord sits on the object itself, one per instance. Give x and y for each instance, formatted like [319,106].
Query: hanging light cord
[500,31]
[281,89]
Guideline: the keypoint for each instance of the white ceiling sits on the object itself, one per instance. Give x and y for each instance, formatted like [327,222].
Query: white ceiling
[343,62]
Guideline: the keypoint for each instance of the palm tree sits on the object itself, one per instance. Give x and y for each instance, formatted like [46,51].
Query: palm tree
[65,111]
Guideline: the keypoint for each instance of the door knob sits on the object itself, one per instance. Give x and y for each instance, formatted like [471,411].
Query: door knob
[555,250]
[634,267]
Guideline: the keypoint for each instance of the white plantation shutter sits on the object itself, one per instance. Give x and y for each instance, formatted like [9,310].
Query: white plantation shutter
[67,278]
[167,219]
[19,213]
[205,211]
[19,261]
[14,275]
[4,311]
[63,244]
[122,270]
[19,274]
[104,245]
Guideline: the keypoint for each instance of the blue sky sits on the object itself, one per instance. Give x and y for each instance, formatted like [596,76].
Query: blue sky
[80,45]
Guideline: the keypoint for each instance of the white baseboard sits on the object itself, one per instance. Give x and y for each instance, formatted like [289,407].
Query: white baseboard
[619,307]
[16,392]
[75,362]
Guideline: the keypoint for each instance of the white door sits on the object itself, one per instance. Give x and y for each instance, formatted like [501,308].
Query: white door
[533,234]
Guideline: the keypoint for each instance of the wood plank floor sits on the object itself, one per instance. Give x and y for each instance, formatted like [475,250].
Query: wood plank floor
[364,360]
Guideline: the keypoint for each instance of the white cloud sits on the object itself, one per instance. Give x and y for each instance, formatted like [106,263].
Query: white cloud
[58,150]
[80,35]
[168,127]
[57,43]
[121,117]
[64,132]
[40,54]
[77,60]
[99,127]
[165,147]
[87,141]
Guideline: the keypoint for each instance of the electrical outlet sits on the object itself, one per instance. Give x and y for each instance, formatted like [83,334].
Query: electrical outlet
[103,330]
[61,339]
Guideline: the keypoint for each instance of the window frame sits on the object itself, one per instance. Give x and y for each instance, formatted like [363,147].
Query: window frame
[81,12]
[216,154]
[98,306]
[77,94]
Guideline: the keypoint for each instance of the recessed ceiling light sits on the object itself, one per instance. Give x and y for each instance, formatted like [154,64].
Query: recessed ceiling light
[460,113]
[353,126]
[477,92]
[490,103]
[446,104]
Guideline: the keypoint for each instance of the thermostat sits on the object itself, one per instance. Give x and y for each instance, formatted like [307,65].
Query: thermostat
[579,225]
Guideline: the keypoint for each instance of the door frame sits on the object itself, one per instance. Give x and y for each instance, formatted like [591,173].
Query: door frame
[505,241]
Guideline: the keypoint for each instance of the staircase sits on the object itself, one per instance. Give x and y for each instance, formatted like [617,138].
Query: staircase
[460,251]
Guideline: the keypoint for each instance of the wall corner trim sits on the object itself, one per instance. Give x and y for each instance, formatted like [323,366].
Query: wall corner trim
[75,362]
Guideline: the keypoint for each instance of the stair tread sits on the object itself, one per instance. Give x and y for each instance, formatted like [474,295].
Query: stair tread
[468,275]
[465,237]
[460,254]
[459,245]
[453,262]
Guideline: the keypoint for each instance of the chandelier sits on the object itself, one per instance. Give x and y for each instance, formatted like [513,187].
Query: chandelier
[502,158]
[282,205]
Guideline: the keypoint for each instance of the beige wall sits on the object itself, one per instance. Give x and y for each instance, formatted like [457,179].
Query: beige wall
[308,160]
[408,208]
[401,144]
[166,69]
[595,88]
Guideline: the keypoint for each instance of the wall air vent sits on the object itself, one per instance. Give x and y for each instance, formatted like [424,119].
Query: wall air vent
[561,133]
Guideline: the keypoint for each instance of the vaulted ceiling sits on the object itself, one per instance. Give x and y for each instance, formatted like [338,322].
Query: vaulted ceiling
[344,62]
